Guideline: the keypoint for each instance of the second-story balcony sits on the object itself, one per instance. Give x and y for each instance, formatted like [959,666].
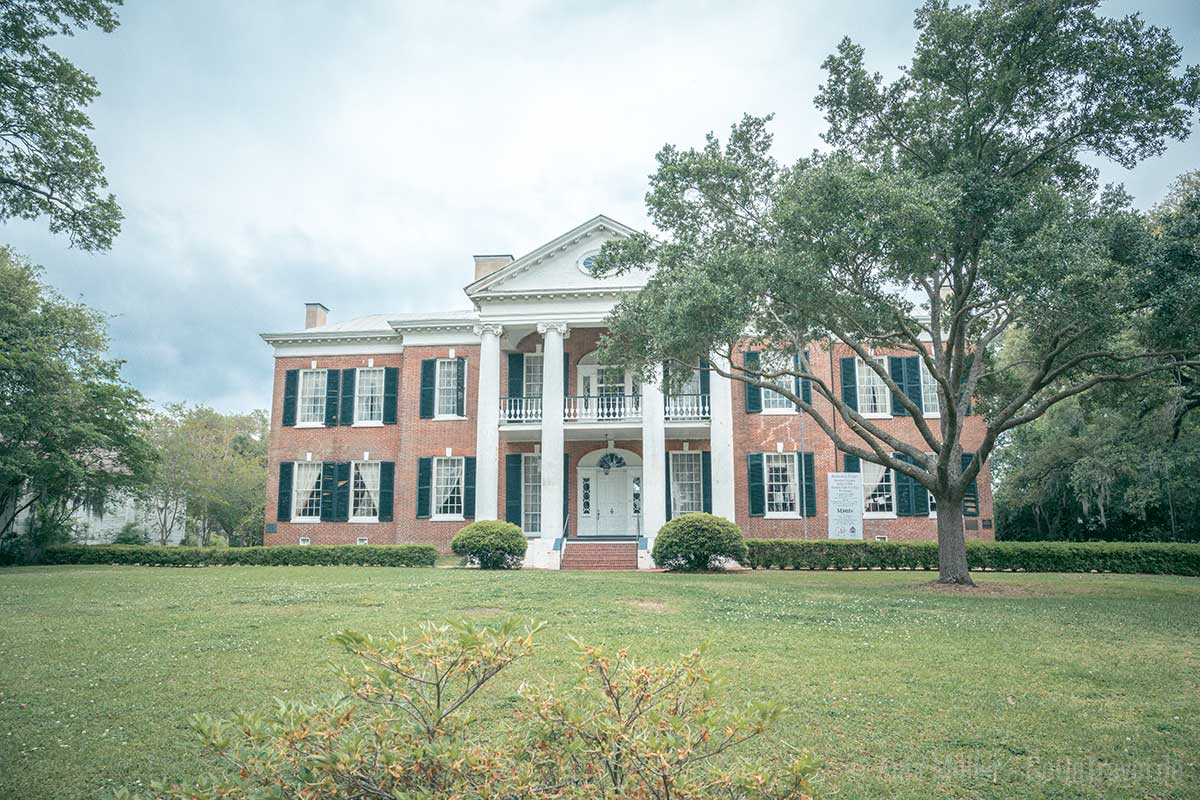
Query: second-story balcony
[605,408]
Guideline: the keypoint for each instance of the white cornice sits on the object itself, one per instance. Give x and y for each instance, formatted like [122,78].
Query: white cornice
[335,337]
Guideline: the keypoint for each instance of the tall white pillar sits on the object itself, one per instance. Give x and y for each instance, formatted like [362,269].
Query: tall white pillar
[654,460]
[487,431]
[552,430]
[721,440]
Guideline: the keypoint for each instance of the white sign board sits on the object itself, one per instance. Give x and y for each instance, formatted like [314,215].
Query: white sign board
[845,505]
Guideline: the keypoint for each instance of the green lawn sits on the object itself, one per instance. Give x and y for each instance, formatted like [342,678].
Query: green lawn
[1064,686]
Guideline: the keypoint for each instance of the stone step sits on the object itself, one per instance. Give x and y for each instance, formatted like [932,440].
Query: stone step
[599,555]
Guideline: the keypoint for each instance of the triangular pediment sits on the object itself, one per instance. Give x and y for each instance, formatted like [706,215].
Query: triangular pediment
[559,265]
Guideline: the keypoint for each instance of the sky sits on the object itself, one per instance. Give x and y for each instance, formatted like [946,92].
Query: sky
[271,153]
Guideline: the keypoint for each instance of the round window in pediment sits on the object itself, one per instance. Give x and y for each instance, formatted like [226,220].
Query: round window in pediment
[587,264]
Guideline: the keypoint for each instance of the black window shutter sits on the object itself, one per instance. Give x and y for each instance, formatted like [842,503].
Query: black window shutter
[797,384]
[513,486]
[387,490]
[341,496]
[962,387]
[283,511]
[566,481]
[806,383]
[753,393]
[851,463]
[460,390]
[971,496]
[705,376]
[347,415]
[391,393]
[566,375]
[850,382]
[706,480]
[904,491]
[756,484]
[328,491]
[424,487]
[332,394]
[668,488]
[291,387]
[896,367]
[516,374]
[469,487]
[428,387]
[912,381]
[808,484]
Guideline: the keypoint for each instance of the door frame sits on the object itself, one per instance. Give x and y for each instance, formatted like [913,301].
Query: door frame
[585,487]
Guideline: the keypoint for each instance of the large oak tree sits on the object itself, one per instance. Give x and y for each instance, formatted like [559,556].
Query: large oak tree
[951,212]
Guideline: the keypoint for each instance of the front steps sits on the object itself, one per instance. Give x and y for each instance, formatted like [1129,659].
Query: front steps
[600,554]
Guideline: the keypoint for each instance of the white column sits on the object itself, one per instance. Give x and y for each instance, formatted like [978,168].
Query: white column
[721,440]
[552,430]
[487,431]
[654,460]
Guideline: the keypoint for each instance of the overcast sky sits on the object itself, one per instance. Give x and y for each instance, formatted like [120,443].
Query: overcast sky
[271,153]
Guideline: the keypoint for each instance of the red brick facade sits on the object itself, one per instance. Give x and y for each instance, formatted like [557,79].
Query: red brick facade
[412,437]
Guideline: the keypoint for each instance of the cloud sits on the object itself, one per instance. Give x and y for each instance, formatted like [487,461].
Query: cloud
[272,153]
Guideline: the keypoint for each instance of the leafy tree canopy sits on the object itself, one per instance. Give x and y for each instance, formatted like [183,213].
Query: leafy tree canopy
[48,164]
[951,211]
[71,428]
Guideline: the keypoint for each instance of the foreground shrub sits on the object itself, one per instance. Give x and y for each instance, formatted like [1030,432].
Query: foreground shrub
[403,730]
[1148,558]
[395,555]
[491,544]
[698,542]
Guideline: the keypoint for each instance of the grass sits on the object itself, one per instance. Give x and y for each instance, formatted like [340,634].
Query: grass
[1057,686]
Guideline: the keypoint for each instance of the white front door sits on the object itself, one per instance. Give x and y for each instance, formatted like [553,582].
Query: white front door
[612,503]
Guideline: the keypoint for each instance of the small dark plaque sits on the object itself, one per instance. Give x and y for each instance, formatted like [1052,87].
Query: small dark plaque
[987,524]
[972,525]
[272,527]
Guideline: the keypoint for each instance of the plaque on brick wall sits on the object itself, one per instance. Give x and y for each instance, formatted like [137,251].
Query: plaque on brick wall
[845,505]
[987,524]
[972,525]
[271,527]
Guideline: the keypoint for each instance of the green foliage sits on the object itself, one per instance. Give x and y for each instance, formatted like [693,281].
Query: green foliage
[491,544]
[1153,559]
[953,209]
[626,730]
[698,541]
[131,533]
[403,555]
[72,428]
[48,164]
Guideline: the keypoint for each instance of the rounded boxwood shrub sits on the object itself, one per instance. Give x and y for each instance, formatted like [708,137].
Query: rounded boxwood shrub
[697,542]
[490,543]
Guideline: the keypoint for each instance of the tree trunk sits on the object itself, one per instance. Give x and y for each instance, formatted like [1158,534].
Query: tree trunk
[952,545]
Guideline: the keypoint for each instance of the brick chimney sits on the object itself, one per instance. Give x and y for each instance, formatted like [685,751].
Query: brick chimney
[486,265]
[314,315]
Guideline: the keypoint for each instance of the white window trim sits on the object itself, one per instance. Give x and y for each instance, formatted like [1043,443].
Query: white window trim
[300,400]
[437,391]
[883,514]
[531,534]
[925,372]
[303,520]
[859,362]
[369,423]
[797,514]
[361,540]
[674,474]
[779,411]
[354,519]
[433,515]
[304,540]
[525,382]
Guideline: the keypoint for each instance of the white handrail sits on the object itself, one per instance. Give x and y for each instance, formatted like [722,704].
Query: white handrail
[601,408]
[688,407]
[520,409]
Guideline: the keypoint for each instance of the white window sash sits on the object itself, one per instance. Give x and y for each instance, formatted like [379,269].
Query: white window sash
[446,388]
[366,472]
[368,405]
[788,491]
[448,474]
[531,493]
[311,397]
[306,481]
[687,483]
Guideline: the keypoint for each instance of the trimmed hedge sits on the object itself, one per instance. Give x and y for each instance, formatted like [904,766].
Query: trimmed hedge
[1128,557]
[698,541]
[491,544]
[397,555]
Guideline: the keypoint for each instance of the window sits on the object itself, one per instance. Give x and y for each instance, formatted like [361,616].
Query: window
[364,495]
[687,494]
[531,493]
[637,496]
[585,494]
[932,503]
[781,484]
[447,488]
[878,490]
[533,375]
[306,492]
[305,540]
[362,540]
[368,395]
[447,387]
[772,400]
[312,397]
[873,394]
[931,404]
